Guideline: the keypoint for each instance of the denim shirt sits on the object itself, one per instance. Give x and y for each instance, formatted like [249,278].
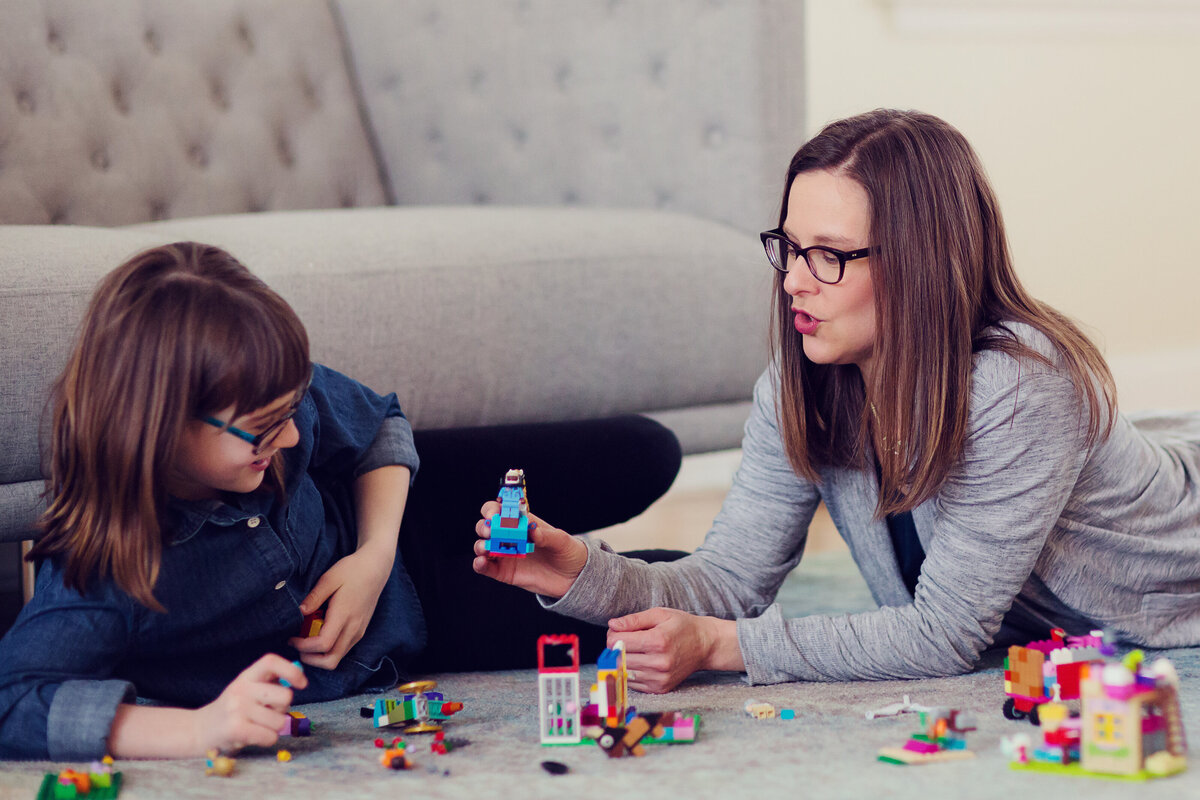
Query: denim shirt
[232,576]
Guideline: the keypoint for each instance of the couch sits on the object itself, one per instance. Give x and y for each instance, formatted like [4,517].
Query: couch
[503,210]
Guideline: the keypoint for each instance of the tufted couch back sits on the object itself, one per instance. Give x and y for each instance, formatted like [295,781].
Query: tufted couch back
[156,109]
[685,105]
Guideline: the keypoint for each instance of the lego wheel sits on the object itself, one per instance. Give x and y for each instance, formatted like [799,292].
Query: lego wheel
[417,687]
[1011,711]
[1034,718]
[396,762]
[606,741]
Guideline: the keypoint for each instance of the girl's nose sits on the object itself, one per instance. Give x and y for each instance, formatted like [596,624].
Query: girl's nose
[289,436]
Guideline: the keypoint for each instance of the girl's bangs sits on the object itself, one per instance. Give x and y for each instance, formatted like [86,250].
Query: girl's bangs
[256,352]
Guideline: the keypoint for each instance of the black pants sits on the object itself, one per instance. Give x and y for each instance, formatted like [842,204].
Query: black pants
[581,476]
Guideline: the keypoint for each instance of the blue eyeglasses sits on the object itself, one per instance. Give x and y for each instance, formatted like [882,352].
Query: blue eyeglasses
[259,441]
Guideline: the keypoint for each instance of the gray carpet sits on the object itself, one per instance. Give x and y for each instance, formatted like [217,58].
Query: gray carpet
[828,751]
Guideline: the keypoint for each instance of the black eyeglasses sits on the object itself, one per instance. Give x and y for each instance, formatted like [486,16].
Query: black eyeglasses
[825,263]
[261,441]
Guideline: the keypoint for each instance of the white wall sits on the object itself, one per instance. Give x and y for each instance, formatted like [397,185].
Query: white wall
[1087,117]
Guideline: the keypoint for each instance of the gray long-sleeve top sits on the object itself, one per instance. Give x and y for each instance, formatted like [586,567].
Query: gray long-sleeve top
[1031,529]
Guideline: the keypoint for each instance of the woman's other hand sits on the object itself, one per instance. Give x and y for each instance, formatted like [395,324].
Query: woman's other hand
[663,646]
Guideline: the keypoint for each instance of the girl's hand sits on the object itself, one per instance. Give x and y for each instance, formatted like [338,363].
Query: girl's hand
[352,587]
[252,708]
[551,569]
[664,646]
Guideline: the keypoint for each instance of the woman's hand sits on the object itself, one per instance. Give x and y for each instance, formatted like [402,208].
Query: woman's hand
[551,569]
[251,710]
[664,646]
[352,587]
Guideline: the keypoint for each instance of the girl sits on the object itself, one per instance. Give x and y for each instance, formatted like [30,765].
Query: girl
[209,486]
[963,436]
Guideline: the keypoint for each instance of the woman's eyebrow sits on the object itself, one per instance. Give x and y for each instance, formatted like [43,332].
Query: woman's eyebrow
[843,242]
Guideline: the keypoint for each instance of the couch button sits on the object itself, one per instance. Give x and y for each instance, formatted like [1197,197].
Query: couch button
[253,523]
[55,41]
[120,99]
[280,585]
[714,136]
[198,156]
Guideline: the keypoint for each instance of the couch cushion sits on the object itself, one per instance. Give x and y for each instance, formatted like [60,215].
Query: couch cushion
[478,316]
[127,111]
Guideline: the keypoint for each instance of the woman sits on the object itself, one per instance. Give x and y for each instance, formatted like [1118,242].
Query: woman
[963,436]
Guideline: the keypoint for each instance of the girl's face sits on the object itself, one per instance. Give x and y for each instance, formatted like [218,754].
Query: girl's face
[212,460]
[837,321]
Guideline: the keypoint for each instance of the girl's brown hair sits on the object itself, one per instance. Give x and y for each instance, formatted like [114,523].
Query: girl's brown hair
[944,287]
[174,333]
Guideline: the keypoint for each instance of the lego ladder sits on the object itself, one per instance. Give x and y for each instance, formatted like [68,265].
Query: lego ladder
[1176,738]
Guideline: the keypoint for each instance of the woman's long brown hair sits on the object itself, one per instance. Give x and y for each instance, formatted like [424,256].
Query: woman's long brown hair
[944,287]
[175,333]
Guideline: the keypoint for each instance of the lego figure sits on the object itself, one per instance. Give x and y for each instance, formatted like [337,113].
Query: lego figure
[510,528]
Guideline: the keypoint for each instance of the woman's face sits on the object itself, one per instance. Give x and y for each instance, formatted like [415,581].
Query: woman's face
[212,460]
[836,321]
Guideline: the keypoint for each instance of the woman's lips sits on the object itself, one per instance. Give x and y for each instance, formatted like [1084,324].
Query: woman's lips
[806,323]
[261,464]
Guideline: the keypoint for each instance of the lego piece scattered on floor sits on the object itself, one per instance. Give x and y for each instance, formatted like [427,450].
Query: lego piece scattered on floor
[297,725]
[419,709]
[98,782]
[759,710]
[395,755]
[943,738]
[555,767]
[896,709]
[219,765]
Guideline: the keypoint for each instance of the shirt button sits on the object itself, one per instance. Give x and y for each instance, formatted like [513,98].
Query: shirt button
[281,584]
[253,522]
